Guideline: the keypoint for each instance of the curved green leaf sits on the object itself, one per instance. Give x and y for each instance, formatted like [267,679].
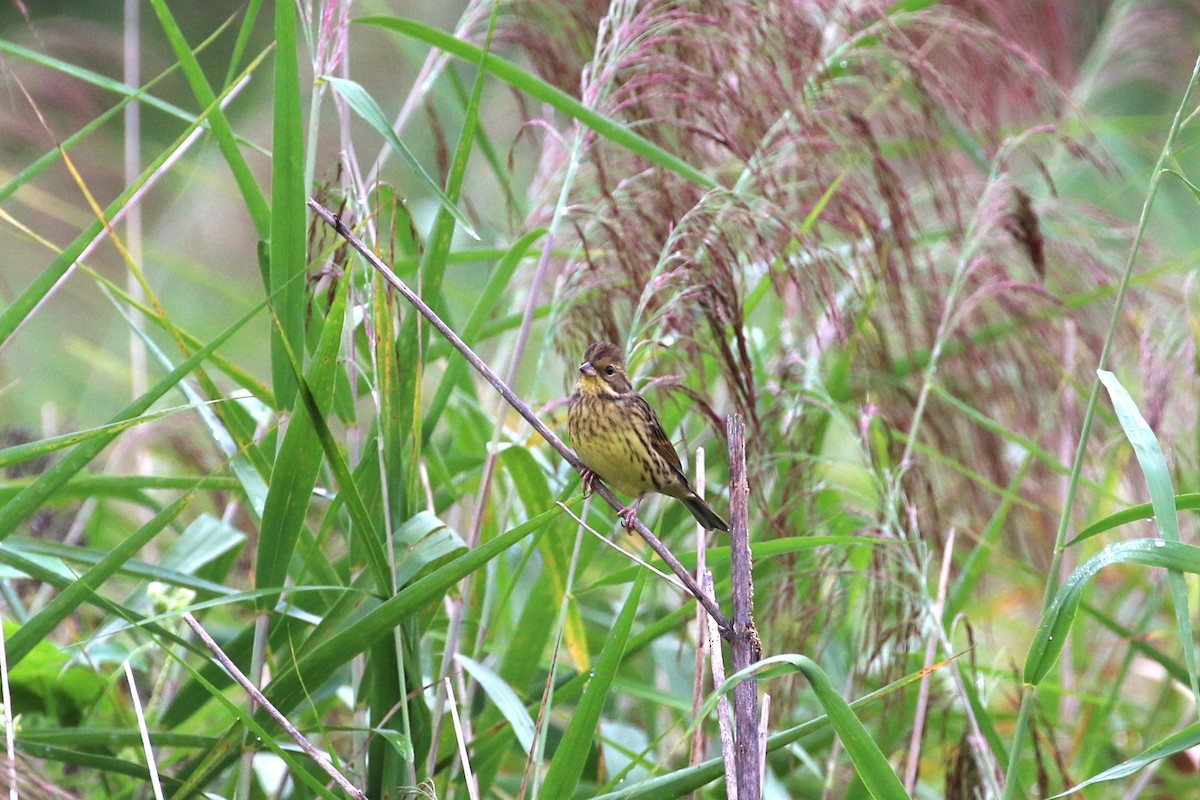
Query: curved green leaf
[361,103]
[1162,498]
[1051,634]
[1177,742]
[873,768]
[1189,501]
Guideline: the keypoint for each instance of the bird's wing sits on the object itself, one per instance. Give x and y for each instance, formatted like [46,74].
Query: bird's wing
[659,439]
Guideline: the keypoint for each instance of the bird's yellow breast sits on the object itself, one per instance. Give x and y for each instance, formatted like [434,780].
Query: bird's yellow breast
[609,445]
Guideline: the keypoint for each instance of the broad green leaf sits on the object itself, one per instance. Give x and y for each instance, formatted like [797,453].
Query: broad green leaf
[420,542]
[47,680]
[205,540]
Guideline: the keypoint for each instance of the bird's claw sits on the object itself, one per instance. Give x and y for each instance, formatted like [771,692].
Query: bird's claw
[588,478]
[628,516]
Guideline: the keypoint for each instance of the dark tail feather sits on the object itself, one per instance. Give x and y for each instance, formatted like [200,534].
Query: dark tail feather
[703,514]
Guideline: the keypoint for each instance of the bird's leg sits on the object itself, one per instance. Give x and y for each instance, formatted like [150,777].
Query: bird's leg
[628,515]
[588,478]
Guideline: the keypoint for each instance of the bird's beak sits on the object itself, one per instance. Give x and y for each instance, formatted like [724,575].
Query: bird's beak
[587,369]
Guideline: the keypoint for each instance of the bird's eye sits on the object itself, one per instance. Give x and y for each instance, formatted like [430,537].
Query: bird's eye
[609,370]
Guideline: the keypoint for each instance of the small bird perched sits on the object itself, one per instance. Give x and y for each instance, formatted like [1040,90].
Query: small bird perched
[619,439]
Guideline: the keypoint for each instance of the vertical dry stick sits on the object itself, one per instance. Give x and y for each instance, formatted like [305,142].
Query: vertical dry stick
[763,721]
[743,644]
[718,672]
[697,751]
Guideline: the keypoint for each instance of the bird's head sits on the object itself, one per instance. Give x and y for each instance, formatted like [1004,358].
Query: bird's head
[603,371]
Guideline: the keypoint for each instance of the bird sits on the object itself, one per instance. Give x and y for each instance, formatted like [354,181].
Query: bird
[619,439]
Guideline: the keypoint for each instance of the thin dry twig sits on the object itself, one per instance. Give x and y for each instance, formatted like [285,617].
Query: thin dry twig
[334,221]
[914,746]
[697,748]
[725,729]
[261,699]
[634,557]
[763,722]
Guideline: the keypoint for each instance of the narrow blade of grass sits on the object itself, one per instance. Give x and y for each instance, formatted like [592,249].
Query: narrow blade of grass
[1051,634]
[287,258]
[573,750]
[299,459]
[361,102]
[537,88]
[1162,498]
[31,498]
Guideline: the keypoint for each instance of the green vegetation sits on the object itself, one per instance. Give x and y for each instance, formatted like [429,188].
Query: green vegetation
[940,260]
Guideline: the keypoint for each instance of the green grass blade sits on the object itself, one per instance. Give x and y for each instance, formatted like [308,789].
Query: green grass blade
[872,766]
[365,531]
[1177,742]
[1189,501]
[1162,498]
[21,453]
[1051,634]
[489,300]
[67,601]
[504,698]
[299,459]
[129,95]
[357,634]
[252,195]
[288,232]
[243,37]
[36,292]
[570,757]
[537,88]
[139,570]
[31,498]
[361,102]
[316,666]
